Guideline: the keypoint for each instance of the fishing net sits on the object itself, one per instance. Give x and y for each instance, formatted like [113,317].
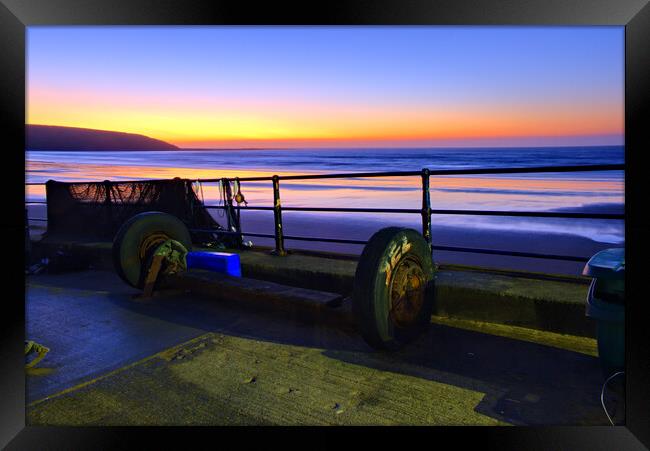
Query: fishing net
[95,211]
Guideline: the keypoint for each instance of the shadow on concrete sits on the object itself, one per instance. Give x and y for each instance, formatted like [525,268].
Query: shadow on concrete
[524,383]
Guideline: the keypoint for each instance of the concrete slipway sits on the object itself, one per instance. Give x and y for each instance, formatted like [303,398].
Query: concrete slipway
[216,357]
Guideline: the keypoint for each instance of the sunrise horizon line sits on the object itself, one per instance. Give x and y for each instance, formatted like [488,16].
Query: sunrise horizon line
[349,143]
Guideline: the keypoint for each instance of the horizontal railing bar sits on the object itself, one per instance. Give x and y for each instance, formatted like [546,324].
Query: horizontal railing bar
[515,170]
[261,235]
[36,202]
[297,238]
[37,219]
[326,209]
[227,232]
[439,248]
[319,176]
[223,207]
[511,253]
[541,214]
[526,170]
[324,240]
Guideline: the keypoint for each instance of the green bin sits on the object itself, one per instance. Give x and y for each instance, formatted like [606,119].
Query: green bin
[606,304]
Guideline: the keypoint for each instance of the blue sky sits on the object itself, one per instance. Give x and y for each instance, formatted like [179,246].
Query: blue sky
[365,84]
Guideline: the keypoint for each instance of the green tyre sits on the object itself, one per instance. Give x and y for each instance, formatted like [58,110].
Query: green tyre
[137,239]
[393,296]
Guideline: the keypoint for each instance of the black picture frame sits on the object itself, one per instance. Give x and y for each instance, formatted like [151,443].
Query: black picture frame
[15,15]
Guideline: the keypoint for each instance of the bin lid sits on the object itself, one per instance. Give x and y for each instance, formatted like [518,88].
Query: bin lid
[608,263]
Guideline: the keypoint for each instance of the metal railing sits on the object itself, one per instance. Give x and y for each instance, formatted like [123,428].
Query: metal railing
[425,211]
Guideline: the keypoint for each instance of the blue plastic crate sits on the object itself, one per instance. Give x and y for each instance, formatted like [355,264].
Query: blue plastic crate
[215,261]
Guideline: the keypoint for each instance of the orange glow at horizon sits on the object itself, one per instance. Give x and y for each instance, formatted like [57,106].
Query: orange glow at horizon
[228,123]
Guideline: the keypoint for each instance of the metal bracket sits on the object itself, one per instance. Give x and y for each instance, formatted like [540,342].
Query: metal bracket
[152,275]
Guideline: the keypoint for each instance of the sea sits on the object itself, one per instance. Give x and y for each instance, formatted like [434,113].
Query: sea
[597,192]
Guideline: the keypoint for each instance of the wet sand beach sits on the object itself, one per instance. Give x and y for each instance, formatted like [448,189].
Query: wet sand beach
[300,224]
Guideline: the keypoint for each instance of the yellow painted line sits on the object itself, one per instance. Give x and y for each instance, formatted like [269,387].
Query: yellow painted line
[160,354]
[583,345]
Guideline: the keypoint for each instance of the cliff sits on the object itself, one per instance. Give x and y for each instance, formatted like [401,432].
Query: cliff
[48,137]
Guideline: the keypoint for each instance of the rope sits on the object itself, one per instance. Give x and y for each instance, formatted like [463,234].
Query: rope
[602,395]
[221,211]
[31,347]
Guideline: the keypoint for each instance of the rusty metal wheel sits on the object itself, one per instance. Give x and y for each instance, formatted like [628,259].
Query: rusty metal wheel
[407,288]
[393,288]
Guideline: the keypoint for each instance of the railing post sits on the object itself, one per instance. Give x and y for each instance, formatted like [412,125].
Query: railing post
[107,202]
[277,216]
[426,207]
[226,202]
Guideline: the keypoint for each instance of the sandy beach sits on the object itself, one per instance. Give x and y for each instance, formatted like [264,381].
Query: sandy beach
[296,224]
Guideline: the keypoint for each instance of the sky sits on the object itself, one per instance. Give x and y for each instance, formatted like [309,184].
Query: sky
[230,87]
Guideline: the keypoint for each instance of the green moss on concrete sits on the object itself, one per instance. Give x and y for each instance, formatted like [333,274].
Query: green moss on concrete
[227,380]
[539,304]
[514,273]
[521,287]
[583,345]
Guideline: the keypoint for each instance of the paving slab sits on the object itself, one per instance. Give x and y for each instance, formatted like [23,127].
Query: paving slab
[180,359]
